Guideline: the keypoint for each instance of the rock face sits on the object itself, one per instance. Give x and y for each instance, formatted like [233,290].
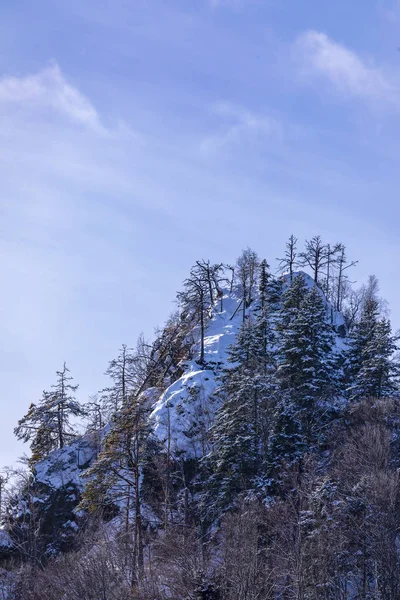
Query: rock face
[42,519]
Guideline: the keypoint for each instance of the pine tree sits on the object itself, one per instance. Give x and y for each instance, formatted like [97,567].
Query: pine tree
[120,371]
[370,369]
[115,478]
[65,405]
[39,426]
[47,425]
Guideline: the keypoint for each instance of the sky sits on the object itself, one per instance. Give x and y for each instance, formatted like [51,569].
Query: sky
[137,137]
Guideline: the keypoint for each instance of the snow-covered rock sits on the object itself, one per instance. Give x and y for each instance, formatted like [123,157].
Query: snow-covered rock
[189,404]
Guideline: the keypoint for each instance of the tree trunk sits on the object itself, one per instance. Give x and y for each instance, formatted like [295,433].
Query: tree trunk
[60,426]
[202,330]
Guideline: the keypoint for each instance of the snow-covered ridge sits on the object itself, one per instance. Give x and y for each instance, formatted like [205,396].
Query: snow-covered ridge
[187,406]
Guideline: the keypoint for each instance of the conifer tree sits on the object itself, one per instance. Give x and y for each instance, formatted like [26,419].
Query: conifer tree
[270,288]
[47,425]
[196,303]
[248,394]
[370,368]
[39,426]
[120,371]
[234,457]
[292,299]
[307,372]
[64,403]
[115,478]
[307,364]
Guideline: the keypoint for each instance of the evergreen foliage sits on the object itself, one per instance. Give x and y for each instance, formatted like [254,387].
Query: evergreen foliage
[47,424]
[370,367]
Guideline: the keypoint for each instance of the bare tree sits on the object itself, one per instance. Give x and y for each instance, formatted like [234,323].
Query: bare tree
[317,256]
[246,272]
[289,261]
[342,279]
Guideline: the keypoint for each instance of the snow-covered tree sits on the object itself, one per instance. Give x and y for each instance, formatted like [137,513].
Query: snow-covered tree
[307,372]
[292,299]
[234,457]
[371,369]
[307,364]
[242,427]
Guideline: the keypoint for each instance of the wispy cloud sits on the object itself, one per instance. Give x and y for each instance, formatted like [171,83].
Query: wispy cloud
[390,10]
[320,57]
[238,124]
[49,89]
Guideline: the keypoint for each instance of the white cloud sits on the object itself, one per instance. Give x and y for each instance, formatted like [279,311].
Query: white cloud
[49,89]
[319,56]
[240,123]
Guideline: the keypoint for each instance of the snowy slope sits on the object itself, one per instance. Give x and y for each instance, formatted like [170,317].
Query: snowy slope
[187,406]
[64,467]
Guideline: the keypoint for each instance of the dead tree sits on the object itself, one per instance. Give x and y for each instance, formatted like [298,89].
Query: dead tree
[246,271]
[289,262]
[342,278]
[317,256]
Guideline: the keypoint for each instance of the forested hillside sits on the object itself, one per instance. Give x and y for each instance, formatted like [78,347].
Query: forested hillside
[250,450]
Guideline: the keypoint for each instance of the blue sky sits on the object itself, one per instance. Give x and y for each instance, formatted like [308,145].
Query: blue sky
[137,137]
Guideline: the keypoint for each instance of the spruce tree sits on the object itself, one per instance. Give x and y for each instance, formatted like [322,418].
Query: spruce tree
[307,372]
[234,456]
[248,394]
[370,367]
[306,359]
[292,299]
